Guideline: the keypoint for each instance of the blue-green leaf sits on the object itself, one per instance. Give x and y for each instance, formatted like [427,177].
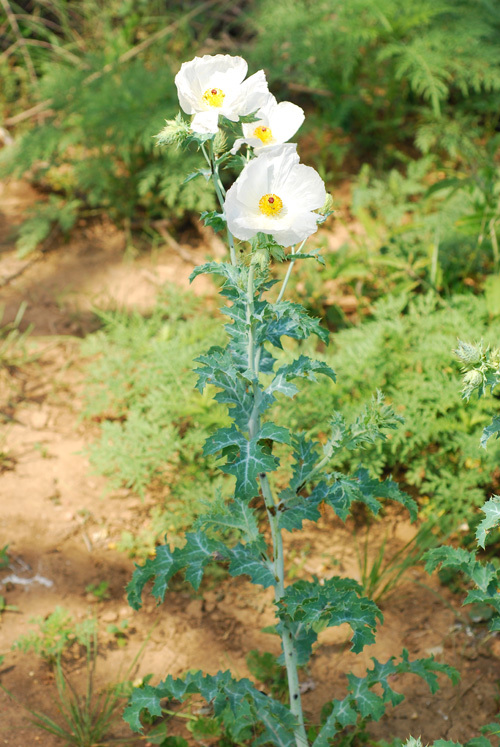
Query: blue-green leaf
[237,702]
[294,509]
[272,432]
[334,602]
[305,454]
[251,560]
[491,430]
[491,509]
[483,575]
[291,320]
[224,438]
[343,491]
[162,567]
[343,714]
[196,553]
[302,367]
[236,515]
[225,269]
[252,460]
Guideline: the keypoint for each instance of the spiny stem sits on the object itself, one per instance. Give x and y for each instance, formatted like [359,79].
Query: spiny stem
[287,637]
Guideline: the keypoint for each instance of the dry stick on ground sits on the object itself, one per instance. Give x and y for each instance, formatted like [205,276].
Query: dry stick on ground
[22,41]
[130,54]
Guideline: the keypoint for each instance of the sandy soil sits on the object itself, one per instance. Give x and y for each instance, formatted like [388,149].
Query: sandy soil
[62,533]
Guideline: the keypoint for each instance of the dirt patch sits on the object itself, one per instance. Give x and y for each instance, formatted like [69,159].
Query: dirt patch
[62,533]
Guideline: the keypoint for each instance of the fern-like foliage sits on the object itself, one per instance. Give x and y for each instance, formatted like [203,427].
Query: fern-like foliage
[389,64]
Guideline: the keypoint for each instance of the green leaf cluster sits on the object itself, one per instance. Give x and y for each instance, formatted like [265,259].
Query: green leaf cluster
[393,71]
[140,387]
[436,449]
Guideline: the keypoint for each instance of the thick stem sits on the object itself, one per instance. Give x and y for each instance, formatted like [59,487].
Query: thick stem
[287,638]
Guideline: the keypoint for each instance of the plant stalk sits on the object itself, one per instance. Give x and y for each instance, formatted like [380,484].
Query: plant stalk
[221,192]
[289,271]
[287,639]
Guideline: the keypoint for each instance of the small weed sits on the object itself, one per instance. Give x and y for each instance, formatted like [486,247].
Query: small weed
[4,607]
[118,631]
[56,634]
[99,591]
[382,573]
[13,350]
[4,557]
[87,717]
[42,450]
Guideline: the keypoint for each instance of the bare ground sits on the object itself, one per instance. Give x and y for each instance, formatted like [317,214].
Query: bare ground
[62,533]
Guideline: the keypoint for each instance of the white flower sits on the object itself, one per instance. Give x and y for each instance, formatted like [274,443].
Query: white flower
[276,124]
[212,85]
[275,194]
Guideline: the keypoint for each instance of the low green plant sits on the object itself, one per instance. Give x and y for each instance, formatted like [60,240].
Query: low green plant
[481,366]
[55,635]
[119,632]
[395,74]
[100,591]
[436,451]
[4,557]
[381,572]
[86,718]
[4,607]
[13,349]
[139,385]
[66,68]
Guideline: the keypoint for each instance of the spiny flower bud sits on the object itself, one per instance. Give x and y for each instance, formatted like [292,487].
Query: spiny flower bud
[175,131]
[495,358]
[327,208]
[469,354]
[473,379]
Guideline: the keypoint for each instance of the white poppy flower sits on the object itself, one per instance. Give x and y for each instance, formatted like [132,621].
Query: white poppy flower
[276,124]
[275,194]
[211,85]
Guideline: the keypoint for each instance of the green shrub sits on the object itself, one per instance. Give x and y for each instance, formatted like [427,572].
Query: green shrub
[140,385]
[104,87]
[387,72]
[407,356]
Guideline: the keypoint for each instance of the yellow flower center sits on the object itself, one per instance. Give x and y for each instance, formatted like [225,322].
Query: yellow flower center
[271,205]
[264,134]
[213,96]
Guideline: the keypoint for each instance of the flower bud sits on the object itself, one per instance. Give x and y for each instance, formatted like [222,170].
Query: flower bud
[469,354]
[175,131]
[473,379]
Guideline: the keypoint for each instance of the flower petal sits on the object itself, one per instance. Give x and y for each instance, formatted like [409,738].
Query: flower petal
[253,93]
[303,189]
[284,120]
[206,122]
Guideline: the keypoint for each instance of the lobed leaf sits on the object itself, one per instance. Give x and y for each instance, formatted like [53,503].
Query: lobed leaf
[302,367]
[196,553]
[251,560]
[491,430]
[294,509]
[237,702]
[331,603]
[344,491]
[491,509]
